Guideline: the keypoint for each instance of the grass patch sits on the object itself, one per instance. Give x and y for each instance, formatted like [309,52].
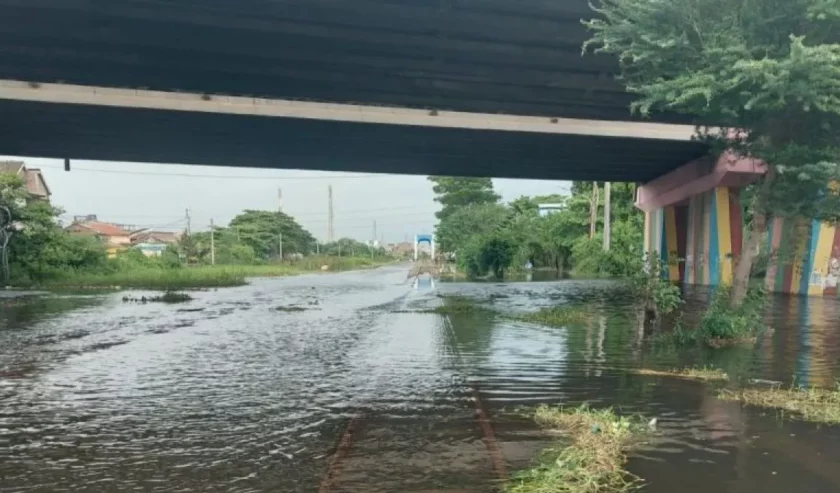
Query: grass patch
[706,374]
[558,316]
[811,404]
[593,461]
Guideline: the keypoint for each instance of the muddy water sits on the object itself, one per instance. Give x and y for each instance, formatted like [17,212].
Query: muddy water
[361,392]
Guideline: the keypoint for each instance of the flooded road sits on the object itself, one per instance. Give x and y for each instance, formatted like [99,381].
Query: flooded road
[363,392]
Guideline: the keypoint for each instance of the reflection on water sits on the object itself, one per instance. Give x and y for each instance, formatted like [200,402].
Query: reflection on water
[227,394]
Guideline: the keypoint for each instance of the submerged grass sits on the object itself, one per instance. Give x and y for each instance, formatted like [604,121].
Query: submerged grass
[593,461]
[705,373]
[457,304]
[557,316]
[811,404]
[290,309]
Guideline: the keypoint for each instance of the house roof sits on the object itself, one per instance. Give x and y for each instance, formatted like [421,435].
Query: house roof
[104,229]
[145,235]
[36,184]
[14,167]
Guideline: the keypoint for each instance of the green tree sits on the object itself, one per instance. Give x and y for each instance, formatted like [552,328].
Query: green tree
[766,71]
[454,192]
[455,230]
[38,248]
[261,231]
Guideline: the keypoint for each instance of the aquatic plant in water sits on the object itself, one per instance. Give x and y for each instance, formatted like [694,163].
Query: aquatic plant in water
[557,316]
[593,459]
[705,373]
[811,404]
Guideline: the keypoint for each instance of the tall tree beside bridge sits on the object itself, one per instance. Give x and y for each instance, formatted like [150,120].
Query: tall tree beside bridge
[769,68]
[455,192]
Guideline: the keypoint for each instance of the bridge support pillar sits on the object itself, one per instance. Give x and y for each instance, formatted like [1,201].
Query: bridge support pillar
[694,223]
[694,220]
[698,240]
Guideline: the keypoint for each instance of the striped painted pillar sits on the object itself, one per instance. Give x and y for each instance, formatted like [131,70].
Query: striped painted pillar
[804,257]
[709,235]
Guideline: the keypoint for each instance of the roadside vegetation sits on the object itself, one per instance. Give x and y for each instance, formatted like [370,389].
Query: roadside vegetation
[705,374]
[485,239]
[590,457]
[810,404]
[43,255]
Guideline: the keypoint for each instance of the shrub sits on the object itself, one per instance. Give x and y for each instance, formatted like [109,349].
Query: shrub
[723,324]
[658,295]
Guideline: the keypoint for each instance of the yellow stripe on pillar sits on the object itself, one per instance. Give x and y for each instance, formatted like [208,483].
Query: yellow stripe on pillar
[647,232]
[671,240]
[822,257]
[724,234]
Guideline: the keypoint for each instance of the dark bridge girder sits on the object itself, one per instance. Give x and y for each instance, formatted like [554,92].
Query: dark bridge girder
[488,56]
[130,134]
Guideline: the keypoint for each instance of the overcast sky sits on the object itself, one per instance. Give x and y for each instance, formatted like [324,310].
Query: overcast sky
[158,195]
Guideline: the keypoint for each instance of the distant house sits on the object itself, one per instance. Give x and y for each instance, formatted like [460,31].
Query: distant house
[150,236]
[403,249]
[546,209]
[153,243]
[110,234]
[36,185]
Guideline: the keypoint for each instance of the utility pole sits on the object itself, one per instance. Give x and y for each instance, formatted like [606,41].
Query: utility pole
[330,224]
[280,245]
[373,240]
[189,224]
[607,217]
[280,200]
[212,243]
[593,211]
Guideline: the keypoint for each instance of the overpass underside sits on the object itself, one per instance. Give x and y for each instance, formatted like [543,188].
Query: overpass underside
[126,133]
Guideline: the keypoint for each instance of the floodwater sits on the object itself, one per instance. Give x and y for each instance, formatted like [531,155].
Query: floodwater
[362,392]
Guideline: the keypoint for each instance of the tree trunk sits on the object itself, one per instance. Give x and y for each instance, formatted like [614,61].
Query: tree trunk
[749,251]
[743,267]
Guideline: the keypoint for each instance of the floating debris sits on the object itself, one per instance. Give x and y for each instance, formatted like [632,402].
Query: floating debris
[168,297]
[289,309]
